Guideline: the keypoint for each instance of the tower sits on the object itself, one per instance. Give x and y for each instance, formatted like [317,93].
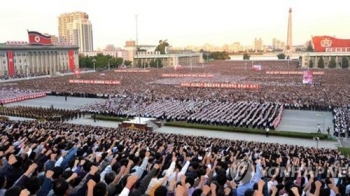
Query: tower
[289,46]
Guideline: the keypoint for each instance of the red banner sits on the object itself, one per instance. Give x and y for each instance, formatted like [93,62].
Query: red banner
[220,85]
[10,63]
[71,60]
[187,75]
[23,97]
[36,38]
[132,70]
[95,81]
[322,42]
[319,73]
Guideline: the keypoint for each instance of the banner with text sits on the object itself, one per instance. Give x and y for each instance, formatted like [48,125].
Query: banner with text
[187,75]
[23,97]
[319,73]
[220,85]
[95,81]
[132,70]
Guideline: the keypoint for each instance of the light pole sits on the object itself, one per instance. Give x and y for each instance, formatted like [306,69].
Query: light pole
[94,62]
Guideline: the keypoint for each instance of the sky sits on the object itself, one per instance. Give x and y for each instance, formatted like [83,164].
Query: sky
[181,22]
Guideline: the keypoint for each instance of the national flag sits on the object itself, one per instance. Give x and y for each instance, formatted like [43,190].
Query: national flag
[36,38]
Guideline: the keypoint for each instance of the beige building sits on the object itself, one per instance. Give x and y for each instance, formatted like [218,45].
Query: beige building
[314,57]
[65,19]
[173,59]
[277,44]
[258,44]
[28,60]
[76,28]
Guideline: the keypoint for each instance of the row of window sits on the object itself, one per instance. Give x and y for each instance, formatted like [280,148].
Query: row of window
[59,67]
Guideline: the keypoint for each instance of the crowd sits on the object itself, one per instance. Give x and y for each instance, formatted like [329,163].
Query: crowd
[54,158]
[243,114]
[50,114]
[328,91]
[341,121]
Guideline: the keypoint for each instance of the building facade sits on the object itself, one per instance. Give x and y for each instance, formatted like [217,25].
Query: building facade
[326,47]
[277,44]
[168,60]
[82,35]
[25,60]
[68,18]
[258,44]
[76,29]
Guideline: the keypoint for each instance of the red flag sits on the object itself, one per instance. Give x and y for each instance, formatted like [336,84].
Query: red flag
[322,42]
[71,60]
[11,65]
[36,38]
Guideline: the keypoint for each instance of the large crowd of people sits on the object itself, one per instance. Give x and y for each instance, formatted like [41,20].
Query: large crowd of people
[50,114]
[242,114]
[54,158]
[57,158]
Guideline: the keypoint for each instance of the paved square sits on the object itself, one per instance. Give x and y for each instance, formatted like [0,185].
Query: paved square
[56,101]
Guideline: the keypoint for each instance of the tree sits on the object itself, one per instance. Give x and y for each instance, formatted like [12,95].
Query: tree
[311,63]
[320,63]
[246,56]
[309,47]
[344,63]
[152,63]
[158,63]
[127,63]
[281,56]
[332,63]
[139,63]
[219,55]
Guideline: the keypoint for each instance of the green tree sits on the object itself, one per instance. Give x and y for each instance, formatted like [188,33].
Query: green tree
[332,63]
[246,56]
[281,56]
[219,55]
[344,63]
[127,63]
[320,63]
[152,63]
[139,63]
[309,47]
[311,63]
[158,63]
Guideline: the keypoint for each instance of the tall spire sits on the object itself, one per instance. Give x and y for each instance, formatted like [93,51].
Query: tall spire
[289,46]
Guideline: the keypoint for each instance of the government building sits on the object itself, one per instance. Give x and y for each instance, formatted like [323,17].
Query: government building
[37,57]
[326,47]
[171,58]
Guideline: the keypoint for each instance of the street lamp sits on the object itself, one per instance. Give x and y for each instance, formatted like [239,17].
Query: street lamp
[94,62]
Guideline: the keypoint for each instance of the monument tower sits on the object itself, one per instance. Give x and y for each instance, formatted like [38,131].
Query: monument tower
[289,46]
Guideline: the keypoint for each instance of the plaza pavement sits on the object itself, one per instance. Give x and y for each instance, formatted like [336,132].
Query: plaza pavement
[305,121]
[56,101]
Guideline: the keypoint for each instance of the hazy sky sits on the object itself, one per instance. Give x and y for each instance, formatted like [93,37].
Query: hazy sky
[182,22]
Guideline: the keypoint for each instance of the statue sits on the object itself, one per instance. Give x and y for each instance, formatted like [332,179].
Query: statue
[162,47]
